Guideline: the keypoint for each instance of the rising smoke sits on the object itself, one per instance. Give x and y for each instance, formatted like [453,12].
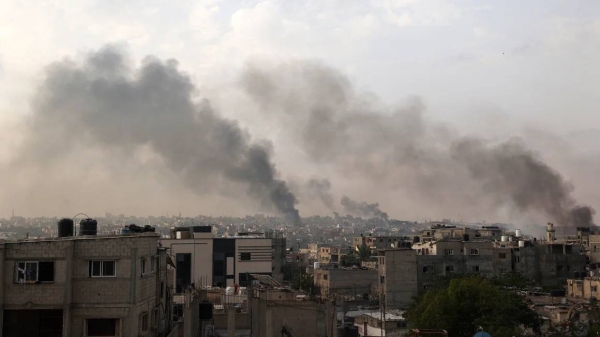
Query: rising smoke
[108,104]
[363,209]
[397,149]
[321,188]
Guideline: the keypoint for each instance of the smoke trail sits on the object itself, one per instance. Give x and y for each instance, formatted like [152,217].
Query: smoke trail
[113,106]
[363,208]
[321,188]
[396,149]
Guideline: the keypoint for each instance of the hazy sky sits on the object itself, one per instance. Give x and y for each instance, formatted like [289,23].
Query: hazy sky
[486,67]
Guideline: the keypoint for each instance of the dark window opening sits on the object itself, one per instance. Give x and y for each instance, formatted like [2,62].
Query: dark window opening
[183,271]
[46,271]
[99,268]
[245,256]
[102,327]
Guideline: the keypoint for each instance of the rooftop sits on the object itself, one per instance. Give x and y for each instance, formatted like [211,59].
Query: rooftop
[84,237]
[389,317]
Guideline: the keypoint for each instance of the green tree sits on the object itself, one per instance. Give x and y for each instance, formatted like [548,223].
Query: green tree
[364,252]
[513,280]
[350,260]
[303,281]
[469,302]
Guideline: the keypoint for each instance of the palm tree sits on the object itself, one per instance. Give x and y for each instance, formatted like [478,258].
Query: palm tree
[364,252]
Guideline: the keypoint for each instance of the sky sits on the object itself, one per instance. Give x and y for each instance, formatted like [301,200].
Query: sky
[494,69]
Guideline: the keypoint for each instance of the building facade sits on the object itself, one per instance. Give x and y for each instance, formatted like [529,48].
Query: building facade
[404,273]
[84,286]
[204,260]
[353,282]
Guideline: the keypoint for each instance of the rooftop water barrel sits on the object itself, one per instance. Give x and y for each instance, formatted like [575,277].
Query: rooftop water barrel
[88,227]
[521,243]
[504,238]
[65,227]
[149,229]
[518,233]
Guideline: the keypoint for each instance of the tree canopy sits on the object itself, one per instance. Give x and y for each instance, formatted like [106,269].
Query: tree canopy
[465,303]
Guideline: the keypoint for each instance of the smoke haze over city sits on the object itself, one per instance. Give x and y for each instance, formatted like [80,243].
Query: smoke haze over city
[114,126]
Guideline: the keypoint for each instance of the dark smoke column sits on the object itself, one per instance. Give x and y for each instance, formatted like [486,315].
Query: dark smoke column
[113,106]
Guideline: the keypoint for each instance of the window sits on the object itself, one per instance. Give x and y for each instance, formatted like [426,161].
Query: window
[559,268]
[448,251]
[502,256]
[427,269]
[427,286]
[245,256]
[162,289]
[594,288]
[155,318]
[474,251]
[144,322]
[382,279]
[143,265]
[450,269]
[517,259]
[401,325]
[475,269]
[153,263]
[324,276]
[100,268]
[502,271]
[106,327]
[34,271]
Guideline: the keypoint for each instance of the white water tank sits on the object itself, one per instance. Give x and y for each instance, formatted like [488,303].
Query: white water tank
[504,238]
[510,238]
[521,243]
[518,233]
[317,265]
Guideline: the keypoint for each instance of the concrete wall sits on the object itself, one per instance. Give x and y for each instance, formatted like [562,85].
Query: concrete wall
[343,281]
[125,296]
[261,254]
[201,250]
[399,275]
[303,318]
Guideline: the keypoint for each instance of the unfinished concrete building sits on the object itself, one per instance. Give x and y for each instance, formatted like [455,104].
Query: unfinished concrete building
[405,272]
[84,286]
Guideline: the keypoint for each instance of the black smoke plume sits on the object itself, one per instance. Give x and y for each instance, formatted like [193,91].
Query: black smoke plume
[321,188]
[106,103]
[363,209]
[396,150]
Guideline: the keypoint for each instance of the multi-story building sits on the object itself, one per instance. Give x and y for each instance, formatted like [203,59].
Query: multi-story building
[405,272]
[372,324]
[355,282]
[204,260]
[84,286]
[331,254]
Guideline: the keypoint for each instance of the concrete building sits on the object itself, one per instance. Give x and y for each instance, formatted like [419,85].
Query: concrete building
[371,324]
[271,311]
[353,282]
[84,286]
[331,254]
[203,260]
[586,288]
[405,272]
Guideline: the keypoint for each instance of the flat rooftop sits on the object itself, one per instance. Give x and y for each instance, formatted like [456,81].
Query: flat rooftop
[85,237]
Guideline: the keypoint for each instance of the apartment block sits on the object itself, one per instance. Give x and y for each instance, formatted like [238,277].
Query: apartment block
[404,273]
[84,286]
[204,260]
